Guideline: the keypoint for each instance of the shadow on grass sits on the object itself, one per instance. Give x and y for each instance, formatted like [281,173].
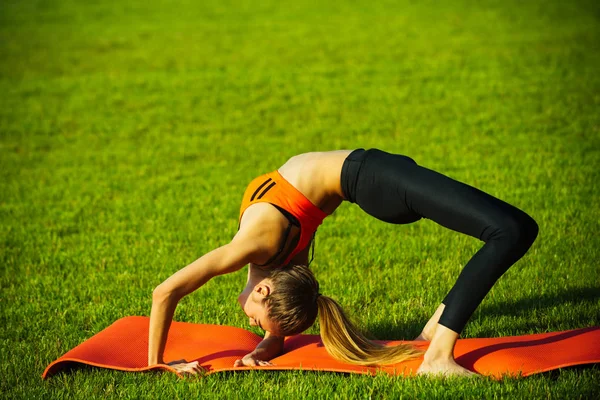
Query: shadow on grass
[391,331]
[515,308]
[542,301]
[522,307]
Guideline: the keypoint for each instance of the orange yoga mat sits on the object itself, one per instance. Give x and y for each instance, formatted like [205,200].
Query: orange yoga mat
[124,346]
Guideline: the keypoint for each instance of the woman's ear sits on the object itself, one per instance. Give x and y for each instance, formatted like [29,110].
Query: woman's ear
[263,289]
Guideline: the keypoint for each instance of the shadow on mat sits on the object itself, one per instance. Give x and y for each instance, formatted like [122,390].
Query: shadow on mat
[469,359]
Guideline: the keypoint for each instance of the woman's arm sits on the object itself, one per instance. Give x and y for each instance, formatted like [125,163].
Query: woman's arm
[225,259]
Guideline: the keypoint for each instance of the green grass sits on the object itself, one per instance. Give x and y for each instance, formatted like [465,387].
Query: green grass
[129,130]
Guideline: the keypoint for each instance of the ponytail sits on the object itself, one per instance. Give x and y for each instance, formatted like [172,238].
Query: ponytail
[294,304]
[344,341]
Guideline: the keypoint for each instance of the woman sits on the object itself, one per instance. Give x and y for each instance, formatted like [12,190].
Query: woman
[280,213]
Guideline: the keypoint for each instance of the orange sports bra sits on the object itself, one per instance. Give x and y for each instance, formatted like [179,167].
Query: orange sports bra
[303,215]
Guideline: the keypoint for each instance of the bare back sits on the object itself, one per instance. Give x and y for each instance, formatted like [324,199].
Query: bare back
[317,176]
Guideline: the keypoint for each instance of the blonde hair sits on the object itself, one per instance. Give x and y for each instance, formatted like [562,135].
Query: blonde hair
[294,304]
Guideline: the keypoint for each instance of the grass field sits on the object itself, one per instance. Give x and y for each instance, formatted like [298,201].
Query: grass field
[129,130]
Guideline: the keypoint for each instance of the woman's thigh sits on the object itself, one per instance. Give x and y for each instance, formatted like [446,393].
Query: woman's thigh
[393,188]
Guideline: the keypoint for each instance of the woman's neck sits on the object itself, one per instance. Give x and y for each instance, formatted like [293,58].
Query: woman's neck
[257,274]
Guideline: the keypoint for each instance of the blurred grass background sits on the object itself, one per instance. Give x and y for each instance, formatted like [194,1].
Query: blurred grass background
[129,130]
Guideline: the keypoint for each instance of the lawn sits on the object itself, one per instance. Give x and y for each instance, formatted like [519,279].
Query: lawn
[129,130]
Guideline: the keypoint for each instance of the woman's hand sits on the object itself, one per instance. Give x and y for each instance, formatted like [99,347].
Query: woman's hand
[184,367]
[269,348]
[249,360]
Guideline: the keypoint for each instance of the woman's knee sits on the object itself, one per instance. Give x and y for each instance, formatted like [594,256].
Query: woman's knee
[532,229]
[518,229]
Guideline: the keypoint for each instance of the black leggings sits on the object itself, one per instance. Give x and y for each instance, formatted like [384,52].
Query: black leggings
[393,188]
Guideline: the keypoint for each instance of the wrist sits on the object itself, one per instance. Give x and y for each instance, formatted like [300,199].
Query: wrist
[155,361]
[256,354]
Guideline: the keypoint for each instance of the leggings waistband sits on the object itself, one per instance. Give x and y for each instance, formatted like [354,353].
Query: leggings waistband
[349,176]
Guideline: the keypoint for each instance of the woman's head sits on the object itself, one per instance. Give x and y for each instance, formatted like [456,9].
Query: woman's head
[284,302]
[287,303]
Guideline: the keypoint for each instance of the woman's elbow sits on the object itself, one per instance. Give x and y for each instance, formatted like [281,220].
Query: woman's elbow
[163,292]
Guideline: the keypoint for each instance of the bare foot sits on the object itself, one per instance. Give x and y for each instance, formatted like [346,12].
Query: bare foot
[443,368]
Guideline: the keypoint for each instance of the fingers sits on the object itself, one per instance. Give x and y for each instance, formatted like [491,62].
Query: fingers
[196,366]
[251,362]
[192,368]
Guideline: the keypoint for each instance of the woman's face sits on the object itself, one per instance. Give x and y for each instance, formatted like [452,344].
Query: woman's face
[251,301]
